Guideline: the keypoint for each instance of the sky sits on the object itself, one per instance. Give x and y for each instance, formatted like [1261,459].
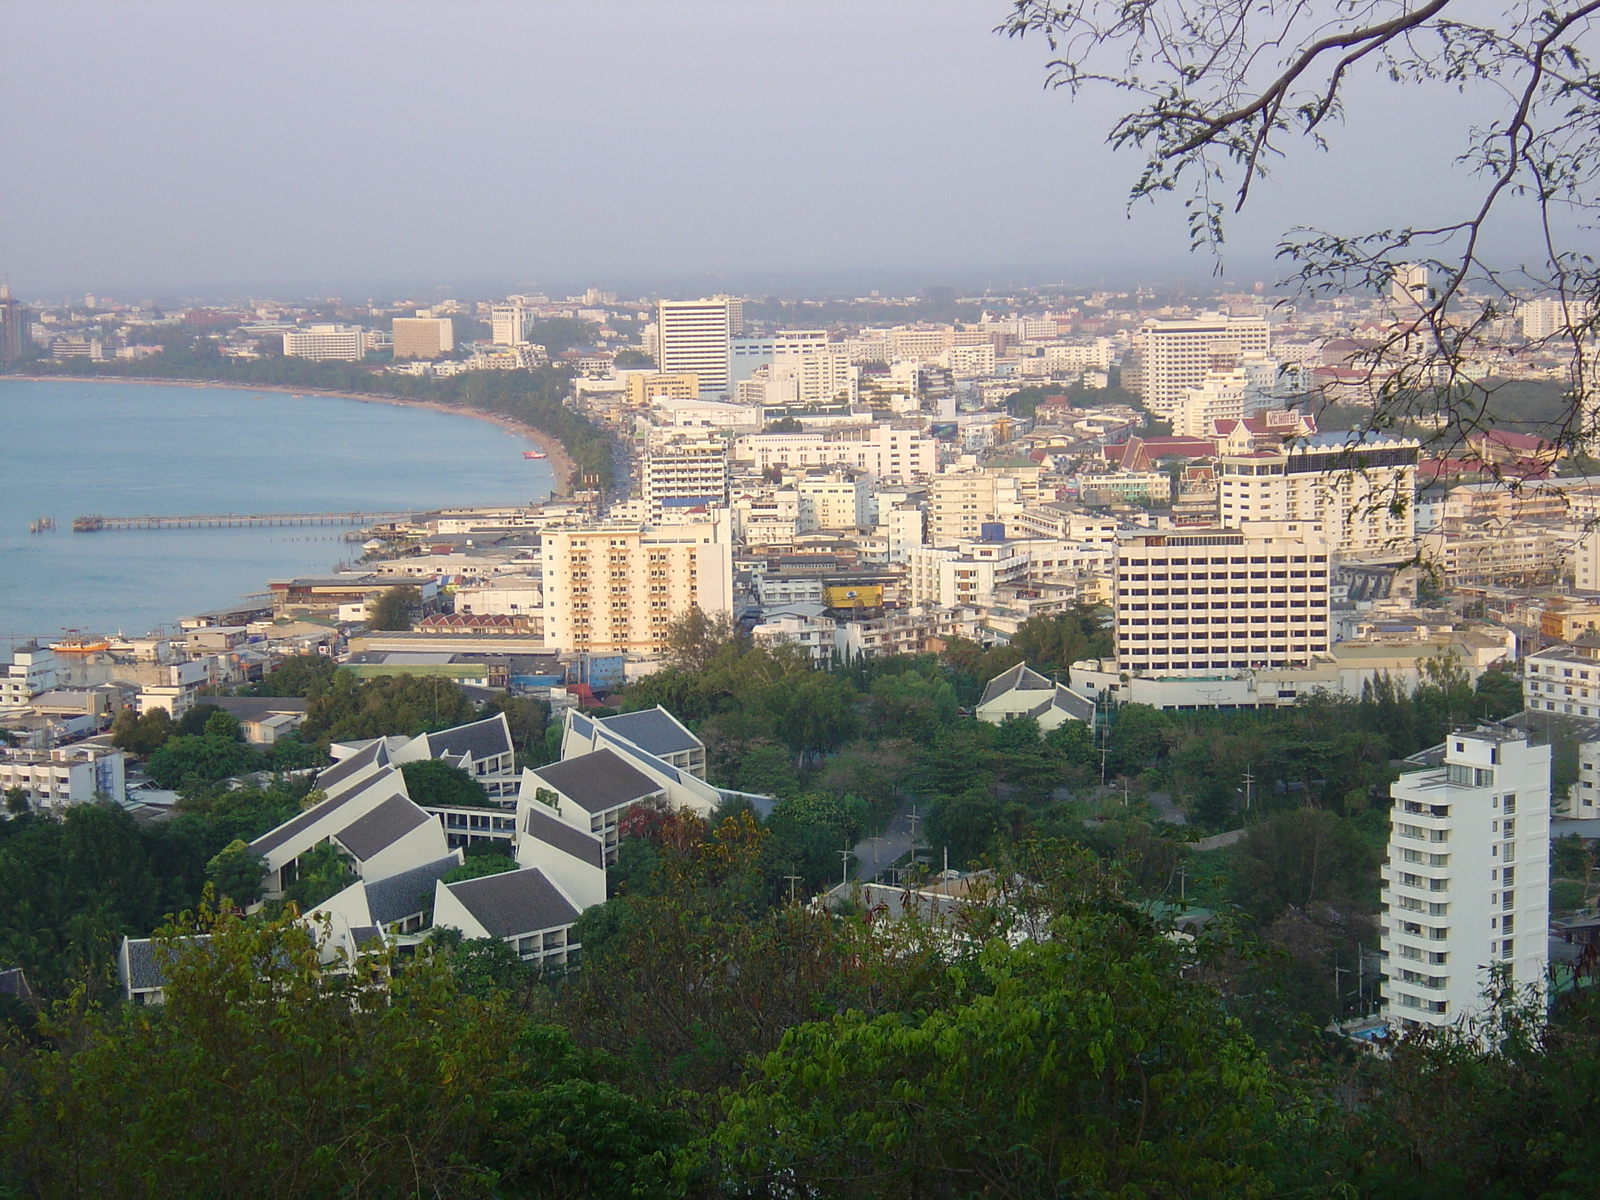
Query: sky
[348,147]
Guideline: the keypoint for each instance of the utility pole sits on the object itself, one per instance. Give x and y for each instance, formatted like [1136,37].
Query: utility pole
[875,839]
[793,879]
[912,820]
[1183,883]
[844,862]
[1249,781]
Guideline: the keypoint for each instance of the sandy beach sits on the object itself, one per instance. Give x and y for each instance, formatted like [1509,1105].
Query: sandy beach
[560,464]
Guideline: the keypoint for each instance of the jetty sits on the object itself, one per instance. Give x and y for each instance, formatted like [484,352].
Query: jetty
[98,524]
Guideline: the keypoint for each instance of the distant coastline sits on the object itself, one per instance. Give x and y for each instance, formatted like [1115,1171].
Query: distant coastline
[560,461]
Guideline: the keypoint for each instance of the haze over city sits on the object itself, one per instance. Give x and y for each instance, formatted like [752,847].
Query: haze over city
[310,148]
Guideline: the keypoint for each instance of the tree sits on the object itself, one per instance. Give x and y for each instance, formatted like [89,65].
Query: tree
[296,675]
[17,802]
[189,761]
[1222,89]
[348,709]
[476,866]
[237,874]
[394,608]
[322,872]
[1499,695]
[1138,736]
[1300,858]
[431,782]
[694,637]
[141,734]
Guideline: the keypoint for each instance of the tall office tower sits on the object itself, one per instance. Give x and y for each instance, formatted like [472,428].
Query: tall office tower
[685,474]
[1221,599]
[423,337]
[695,335]
[1467,884]
[510,324]
[1408,287]
[616,587]
[735,314]
[1361,493]
[1220,397]
[1175,356]
[15,339]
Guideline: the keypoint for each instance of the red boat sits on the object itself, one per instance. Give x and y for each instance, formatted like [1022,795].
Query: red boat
[534,454]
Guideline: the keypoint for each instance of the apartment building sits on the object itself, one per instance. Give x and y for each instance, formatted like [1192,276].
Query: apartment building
[885,451]
[1466,885]
[949,576]
[1545,318]
[695,336]
[1219,397]
[685,474]
[510,323]
[1176,356]
[326,343]
[1522,553]
[838,500]
[801,381]
[28,671]
[53,779]
[1562,680]
[423,337]
[1362,493]
[1203,600]
[615,587]
[644,389]
[961,503]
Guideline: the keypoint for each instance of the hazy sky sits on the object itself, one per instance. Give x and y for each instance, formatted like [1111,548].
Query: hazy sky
[341,145]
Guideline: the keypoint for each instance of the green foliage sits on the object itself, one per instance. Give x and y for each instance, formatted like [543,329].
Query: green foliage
[296,675]
[395,608]
[141,734]
[236,874]
[321,873]
[478,865]
[557,334]
[1139,735]
[291,752]
[193,722]
[431,782]
[349,709]
[189,761]
[1300,858]
[808,831]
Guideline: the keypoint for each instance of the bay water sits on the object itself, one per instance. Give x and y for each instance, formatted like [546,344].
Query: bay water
[120,448]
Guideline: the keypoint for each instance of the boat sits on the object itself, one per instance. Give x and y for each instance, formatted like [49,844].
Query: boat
[534,454]
[42,525]
[78,643]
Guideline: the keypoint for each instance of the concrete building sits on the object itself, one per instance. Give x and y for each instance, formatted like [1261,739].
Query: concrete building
[686,472]
[326,343]
[961,503]
[1023,692]
[695,336]
[838,500]
[1361,492]
[643,389]
[1466,885]
[53,779]
[26,671]
[1220,396]
[885,450]
[16,338]
[1221,599]
[615,587]
[1177,355]
[1544,318]
[1562,680]
[510,323]
[801,381]
[423,337]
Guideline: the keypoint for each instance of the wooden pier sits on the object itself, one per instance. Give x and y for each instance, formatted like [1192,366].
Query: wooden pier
[98,524]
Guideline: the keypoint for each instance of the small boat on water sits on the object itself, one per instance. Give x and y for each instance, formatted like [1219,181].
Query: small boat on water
[77,643]
[534,454]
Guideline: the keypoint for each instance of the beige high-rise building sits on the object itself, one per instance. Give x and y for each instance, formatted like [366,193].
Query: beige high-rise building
[1221,599]
[1175,356]
[510,324]
[423,337]
[326,343]
[1220,397]
[615,587]
[695,336]
[685,473]
[960,503]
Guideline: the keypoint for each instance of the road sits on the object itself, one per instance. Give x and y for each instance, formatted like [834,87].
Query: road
[896,840]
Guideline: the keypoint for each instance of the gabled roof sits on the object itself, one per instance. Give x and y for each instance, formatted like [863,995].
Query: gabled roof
[294,826]
[569,839]
[1068,701]
[374,752]
[514,902]
[1020,678]
[399,896]
[598,781]
[481,739]
[144,971]
[654,730]
[369,835]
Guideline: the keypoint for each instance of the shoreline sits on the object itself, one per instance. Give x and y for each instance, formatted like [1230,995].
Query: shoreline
[561,465]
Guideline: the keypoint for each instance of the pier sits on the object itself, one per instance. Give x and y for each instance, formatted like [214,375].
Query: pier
[98,524]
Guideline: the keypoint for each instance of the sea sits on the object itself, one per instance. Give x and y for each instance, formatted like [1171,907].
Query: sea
[119,448]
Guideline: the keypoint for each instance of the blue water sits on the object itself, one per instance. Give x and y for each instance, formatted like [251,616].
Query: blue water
[128,449]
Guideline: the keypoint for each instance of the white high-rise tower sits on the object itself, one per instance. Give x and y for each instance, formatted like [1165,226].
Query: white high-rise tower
[697,336]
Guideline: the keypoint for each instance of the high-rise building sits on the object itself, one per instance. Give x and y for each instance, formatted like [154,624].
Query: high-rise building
[510,324]
[1408,288]
[1467,884]
[15,339]
[695,335]
[615,588]
[423,337]
[1360,492]
[961,503]
[685,474]
[1175,356]
[326,343]
[1545,318]
[1221,599]
[1220,397]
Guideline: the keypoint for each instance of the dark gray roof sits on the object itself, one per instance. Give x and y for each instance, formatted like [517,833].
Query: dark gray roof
[1069,702]
[258,708]
[598,780]
[294,826]
[514,902]
[144,971]
[380,828]
[15,983]
[364,935]
[347,788]
[374,752]
[409,892]
[553,831]
[1019,678]
[481,739]
[654,730]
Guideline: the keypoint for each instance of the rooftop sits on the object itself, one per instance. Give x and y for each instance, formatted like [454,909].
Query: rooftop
[514,902]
